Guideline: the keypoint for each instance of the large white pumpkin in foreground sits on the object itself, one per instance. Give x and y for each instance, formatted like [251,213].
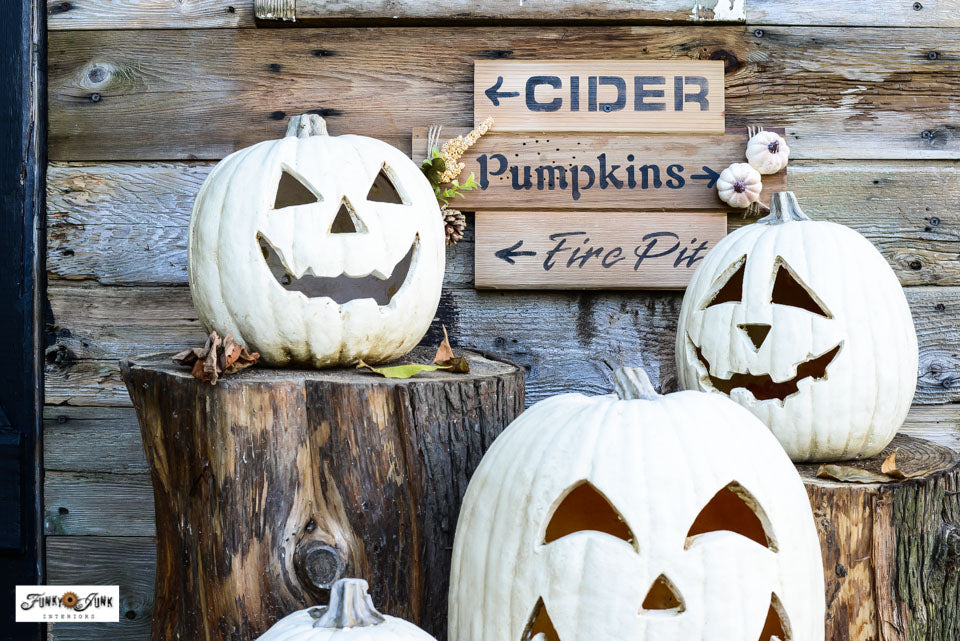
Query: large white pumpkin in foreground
[803,323]
[636,517]
[350,616]
[317,249]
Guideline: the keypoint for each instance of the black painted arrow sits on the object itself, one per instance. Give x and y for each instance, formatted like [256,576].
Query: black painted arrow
[508,253]
[711,176]
[494,93]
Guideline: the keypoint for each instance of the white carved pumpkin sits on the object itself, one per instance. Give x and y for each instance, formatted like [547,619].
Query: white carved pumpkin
[317,249]
[803,323]
[350,616]
[638,517]
[739,185]
[767,152]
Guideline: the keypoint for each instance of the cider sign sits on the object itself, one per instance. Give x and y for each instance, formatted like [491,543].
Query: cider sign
[636,96]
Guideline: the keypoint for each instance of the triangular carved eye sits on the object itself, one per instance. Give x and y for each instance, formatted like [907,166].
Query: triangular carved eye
[383,190]
[788,289]
[663,598]
[539,627]
[585,508]
[777,626]
[729,287]
[291,191]
[734,509]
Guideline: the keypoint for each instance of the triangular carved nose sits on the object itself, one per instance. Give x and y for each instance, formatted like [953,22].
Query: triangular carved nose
[756,332]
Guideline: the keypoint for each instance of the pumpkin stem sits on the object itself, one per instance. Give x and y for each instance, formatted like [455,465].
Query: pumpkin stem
[631,383]
[306,125]
[783,208]
[350,606]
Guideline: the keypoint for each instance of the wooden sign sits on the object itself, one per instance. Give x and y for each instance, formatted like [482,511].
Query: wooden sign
[599,171]
[652,96]
[592,250]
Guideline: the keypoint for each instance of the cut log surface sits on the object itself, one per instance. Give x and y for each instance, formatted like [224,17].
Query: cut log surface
[891,551]
[274,483]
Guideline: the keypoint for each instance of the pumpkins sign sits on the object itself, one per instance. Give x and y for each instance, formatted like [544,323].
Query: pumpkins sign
[316,249]
[636,516]
[804,324]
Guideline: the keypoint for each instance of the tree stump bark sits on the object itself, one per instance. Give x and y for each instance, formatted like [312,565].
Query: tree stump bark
[891,551]
[273,484]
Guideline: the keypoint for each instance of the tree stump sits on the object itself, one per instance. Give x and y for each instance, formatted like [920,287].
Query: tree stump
[891,551]
[273,484]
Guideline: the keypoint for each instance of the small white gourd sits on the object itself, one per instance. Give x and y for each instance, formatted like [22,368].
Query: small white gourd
[739,185]
[767,152]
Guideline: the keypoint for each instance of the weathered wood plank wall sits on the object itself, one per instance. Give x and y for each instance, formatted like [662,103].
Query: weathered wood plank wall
[870,100]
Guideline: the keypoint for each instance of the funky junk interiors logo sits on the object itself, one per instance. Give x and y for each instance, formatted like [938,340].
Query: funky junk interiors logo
[51,603]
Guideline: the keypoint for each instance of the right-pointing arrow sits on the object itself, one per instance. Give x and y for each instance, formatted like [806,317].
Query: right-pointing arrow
[509,253]
[710,176]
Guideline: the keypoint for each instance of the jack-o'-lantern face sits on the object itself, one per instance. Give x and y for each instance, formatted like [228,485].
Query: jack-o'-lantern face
[803,323]
[597,519]
[318,249]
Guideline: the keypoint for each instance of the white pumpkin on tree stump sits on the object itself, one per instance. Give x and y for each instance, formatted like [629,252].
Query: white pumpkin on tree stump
[636,516]
[350,615]
[805,324]
[317,249]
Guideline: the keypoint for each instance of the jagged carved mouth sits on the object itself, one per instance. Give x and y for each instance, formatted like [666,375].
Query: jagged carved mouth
[762,386]
[343,288]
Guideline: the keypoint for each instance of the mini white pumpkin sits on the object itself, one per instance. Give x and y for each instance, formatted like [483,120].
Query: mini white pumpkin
[636,516]
[316,249]
[767,152]
[803,323]
[739,185]
[349,616]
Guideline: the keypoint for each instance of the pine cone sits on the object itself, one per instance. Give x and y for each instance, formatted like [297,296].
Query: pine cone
[454,223]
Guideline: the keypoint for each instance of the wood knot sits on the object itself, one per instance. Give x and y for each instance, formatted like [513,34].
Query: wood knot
[318,565]
[730,61]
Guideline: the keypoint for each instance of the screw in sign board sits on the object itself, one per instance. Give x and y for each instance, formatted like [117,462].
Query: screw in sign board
[641,96]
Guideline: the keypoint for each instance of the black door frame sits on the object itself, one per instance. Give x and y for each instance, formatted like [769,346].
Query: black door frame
[23,125]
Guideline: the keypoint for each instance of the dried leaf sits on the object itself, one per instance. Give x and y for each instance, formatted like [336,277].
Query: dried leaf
[444,352]
[849,474]
[216,358]
[407,370]
[446,357]
[891,469]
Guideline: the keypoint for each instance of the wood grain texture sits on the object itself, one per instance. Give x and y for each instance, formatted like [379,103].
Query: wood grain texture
[850,13]
[97,504]
[148,14]
[890,550]
[87,439]
[594,250]
[98,228]
[275,483]
[841,93]
[568,341]
[319,12]
[96,560]
[540,95]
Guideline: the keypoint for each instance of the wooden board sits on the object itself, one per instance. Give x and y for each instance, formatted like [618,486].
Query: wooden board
[148,14]
[97,228]
[648,96]
[406,11]
[568,340]
[600,171]
[592,250]
[191,94]
[941,14]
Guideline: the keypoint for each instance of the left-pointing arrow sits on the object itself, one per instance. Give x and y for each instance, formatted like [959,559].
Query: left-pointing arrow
[509,253]
[494,93]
